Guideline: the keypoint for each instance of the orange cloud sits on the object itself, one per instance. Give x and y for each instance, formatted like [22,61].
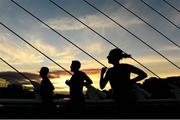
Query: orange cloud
[91,71]
[59,73]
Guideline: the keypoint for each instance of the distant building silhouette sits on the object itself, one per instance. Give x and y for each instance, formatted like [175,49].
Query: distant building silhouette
[15,91]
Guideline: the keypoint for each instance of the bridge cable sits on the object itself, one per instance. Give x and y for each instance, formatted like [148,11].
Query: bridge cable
[100,35]
[132,34]
[17,71]
[57,33]
[35,48]
[160,14]
[147,23]
[171,5]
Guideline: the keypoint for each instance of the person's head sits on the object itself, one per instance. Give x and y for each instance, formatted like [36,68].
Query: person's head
[115,55]
[75,66]
[44,71]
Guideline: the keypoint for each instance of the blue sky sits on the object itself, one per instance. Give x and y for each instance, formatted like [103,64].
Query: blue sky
[24,58]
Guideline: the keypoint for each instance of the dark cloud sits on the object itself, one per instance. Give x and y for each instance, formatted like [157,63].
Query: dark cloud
[16,78]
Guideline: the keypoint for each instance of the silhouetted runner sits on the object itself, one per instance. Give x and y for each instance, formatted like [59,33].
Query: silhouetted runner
[76,83]
[46,88]
[119,77]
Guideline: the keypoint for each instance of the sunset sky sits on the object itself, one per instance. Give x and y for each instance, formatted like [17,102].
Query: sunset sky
[26,59]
